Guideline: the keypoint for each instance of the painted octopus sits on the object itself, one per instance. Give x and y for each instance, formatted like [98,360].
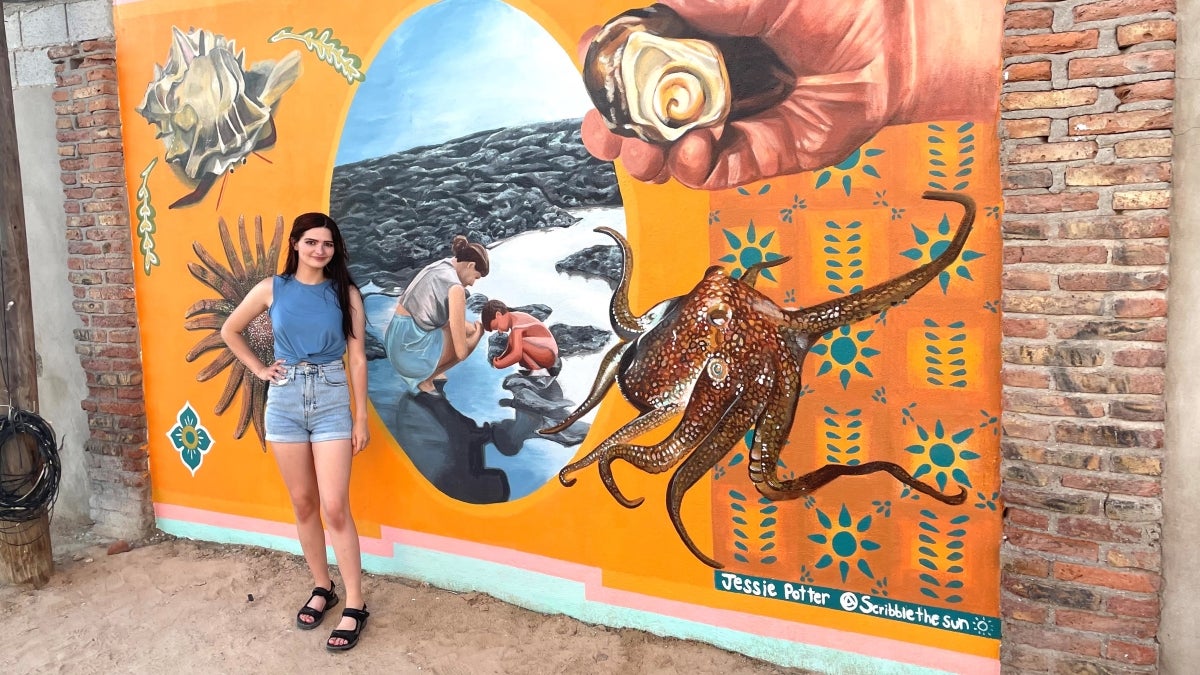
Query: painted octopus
[728,359]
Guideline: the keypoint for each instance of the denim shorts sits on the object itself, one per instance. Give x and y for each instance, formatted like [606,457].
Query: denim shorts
[309,404]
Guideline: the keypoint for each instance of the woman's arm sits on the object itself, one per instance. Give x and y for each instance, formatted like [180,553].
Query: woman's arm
[357,350]
[257,301]
[463,336]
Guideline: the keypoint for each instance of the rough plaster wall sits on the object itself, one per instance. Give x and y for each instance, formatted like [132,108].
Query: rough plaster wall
[30,28]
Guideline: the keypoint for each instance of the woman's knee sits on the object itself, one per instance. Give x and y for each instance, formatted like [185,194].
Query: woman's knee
[306,505]
[337,513]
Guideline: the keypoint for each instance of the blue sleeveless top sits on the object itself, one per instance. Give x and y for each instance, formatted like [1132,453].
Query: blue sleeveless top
[307,322]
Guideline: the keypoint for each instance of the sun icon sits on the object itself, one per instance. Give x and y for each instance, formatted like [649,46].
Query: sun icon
[232,283]
[850,167]
[942,455]
[928,248]
[750,252]
[845,542]
[846,352]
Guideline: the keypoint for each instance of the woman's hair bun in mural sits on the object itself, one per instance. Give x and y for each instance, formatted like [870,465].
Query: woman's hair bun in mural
[212,111]
[742,355]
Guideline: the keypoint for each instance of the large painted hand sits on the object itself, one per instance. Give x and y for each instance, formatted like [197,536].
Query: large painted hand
[854,69]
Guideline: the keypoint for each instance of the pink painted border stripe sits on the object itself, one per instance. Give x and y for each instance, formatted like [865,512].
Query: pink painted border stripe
[187,514]
[594,590]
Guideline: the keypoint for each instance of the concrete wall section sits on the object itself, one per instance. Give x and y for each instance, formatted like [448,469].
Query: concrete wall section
[1181,480]
[61,382]
[30,29]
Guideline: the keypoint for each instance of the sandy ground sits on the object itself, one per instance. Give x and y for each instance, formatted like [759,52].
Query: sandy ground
[177,606]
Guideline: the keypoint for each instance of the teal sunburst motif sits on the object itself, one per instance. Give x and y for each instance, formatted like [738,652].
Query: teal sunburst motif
[928,248]
[846,542]
[943,455]
[849,167]
[846,352]
[745,253]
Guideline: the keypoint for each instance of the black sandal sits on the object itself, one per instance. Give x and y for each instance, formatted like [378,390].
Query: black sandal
[318,615]
[350,636]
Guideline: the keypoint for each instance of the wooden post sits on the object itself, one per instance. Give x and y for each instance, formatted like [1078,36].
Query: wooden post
[25,555]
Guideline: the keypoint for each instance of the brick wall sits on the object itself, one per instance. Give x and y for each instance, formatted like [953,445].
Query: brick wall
[1086,157]
[101,275]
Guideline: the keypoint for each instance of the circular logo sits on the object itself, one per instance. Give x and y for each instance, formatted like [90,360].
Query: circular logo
[849,601]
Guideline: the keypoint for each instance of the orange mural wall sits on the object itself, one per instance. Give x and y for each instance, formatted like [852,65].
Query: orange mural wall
[859,572]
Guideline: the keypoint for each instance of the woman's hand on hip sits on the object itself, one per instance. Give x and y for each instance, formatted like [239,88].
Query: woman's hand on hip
[272,373]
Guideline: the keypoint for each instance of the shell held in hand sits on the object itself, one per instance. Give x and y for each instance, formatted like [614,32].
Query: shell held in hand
[650,82]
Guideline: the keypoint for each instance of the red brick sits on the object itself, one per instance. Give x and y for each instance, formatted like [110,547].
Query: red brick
[1068,548]
[1120,122]
[1140,358]
[1027,328]
[1135,63]
[1148,331]
[1051,152]
[1055,254]
[1056,639]
[1152,226]
[1014,608]
[1144,147]
[1140,307]
[1109,625]
[1050,43]
[1051,203]
[1032,520]
[1026,72]
[1113,281]
[1134,559]
[1049,404]
[1024,180]
[1151,409]
[1054,98]
[1154,90]
[1028,19]
[1042,303]
[1141,199]
[1139,582]
[1114,9]
[1119,174]
[1154,30]
[1129,652]
[1024,280]
[1097,528]
[1028,128]
[1026,378]
[1146,608]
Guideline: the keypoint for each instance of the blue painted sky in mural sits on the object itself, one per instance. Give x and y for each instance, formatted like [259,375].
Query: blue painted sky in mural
[457,67]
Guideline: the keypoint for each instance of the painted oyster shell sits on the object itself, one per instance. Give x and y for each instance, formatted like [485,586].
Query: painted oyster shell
[211,112]
[649,81]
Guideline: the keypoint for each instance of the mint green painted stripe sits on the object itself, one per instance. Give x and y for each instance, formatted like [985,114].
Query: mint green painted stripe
[554,595]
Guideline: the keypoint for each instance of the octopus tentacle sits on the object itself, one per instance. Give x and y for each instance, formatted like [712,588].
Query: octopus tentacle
[605,376]
[627,325]
[822,318]
[773,425]
[705,408]
[730,428]
[751,275]
[639,425]
[802,485]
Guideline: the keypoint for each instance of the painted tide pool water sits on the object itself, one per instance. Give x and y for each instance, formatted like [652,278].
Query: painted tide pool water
[522,273]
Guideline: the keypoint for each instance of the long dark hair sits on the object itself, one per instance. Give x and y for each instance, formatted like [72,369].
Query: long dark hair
[467,251]
[336,269]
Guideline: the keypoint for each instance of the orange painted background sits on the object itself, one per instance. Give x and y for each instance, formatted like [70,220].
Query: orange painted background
[918,386]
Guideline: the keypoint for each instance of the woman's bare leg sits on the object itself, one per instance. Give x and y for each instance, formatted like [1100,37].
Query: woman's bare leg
[299,474]
[332,460]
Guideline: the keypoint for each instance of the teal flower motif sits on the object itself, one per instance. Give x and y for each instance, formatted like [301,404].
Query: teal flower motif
[986,502]
[745,192]
[881,588]
[992,306]
[805,575]
[993,212]
[190,438]
[927,249]
[750,252]
[883,507]
[897,213]
[788,214]
[845,543]
[942,454]
[714,217]
[848,167]
[880,395]
[846,353]
[789,296]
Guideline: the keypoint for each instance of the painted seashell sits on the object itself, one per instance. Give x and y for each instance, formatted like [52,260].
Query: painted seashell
[212,111]
[649,82]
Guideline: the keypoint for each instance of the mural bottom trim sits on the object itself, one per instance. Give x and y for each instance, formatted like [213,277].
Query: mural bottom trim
[859,603]
[558,587]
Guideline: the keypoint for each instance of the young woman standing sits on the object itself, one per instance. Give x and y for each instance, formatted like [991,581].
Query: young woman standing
[317,317]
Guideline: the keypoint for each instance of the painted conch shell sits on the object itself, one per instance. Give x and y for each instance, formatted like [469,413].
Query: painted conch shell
[649,83]
[211,112]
